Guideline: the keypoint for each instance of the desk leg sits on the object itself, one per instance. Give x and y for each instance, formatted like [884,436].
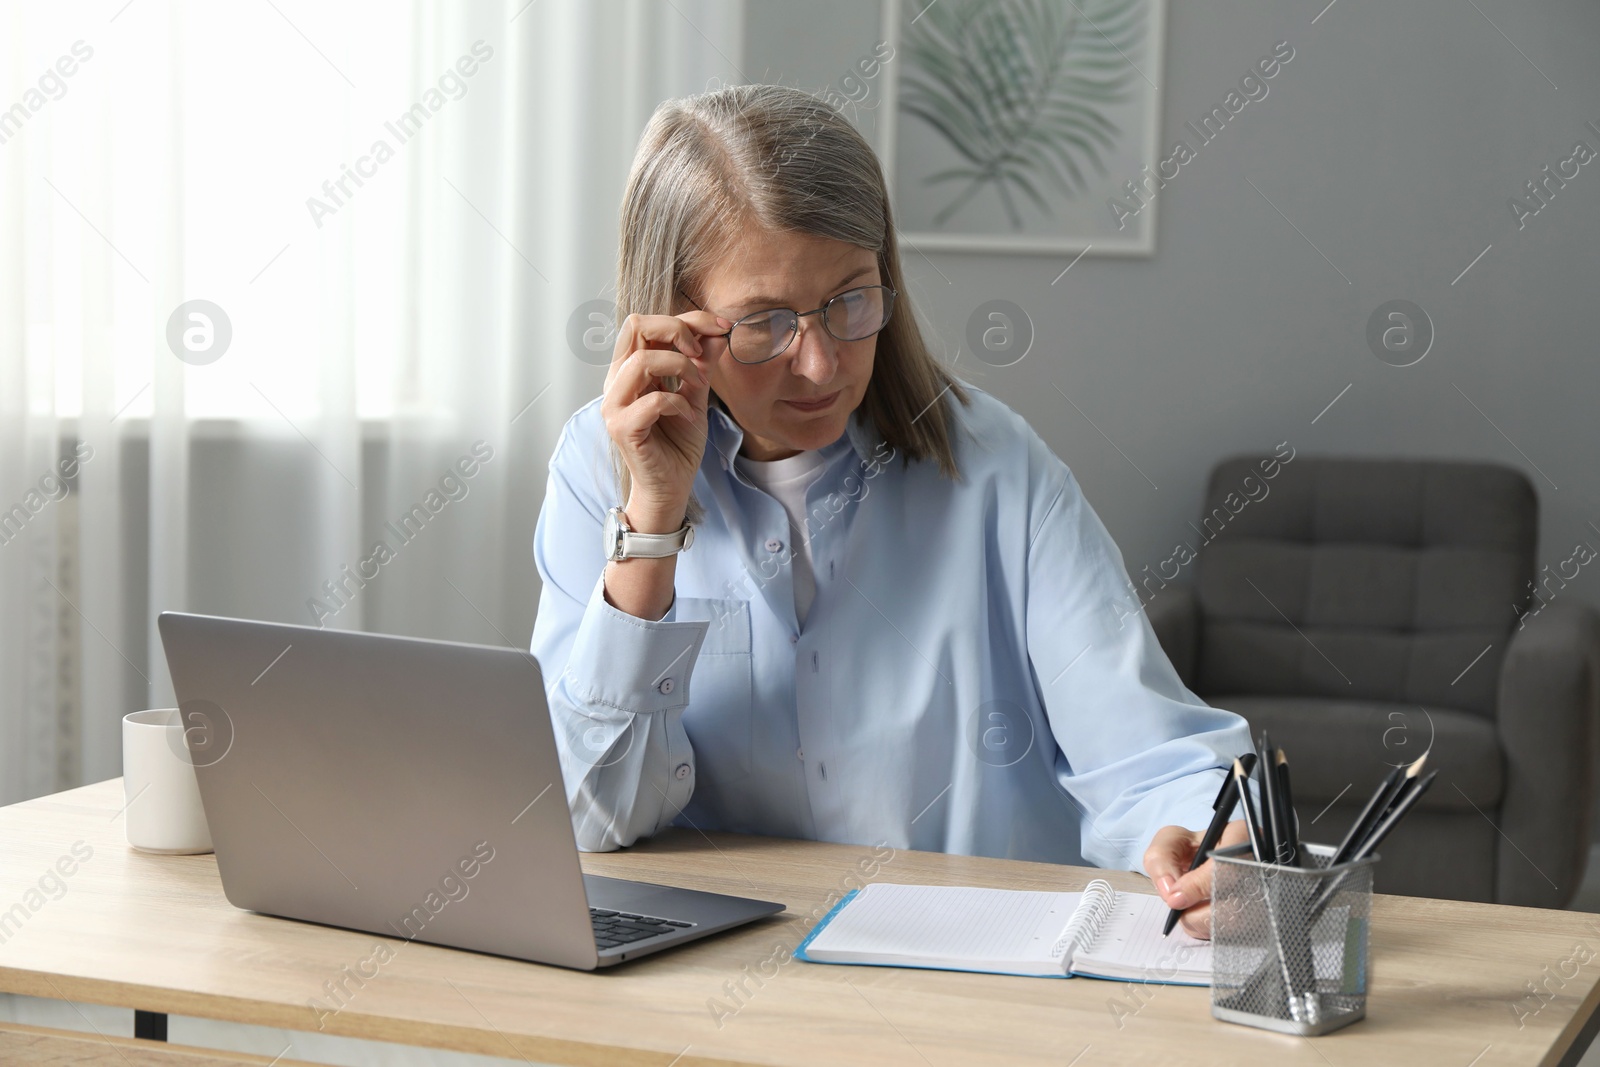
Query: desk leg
[150,1025]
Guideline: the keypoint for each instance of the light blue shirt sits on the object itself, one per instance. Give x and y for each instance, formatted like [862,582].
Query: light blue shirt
[973,676]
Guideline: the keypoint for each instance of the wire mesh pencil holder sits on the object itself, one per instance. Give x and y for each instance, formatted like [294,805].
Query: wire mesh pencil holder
[1289,944]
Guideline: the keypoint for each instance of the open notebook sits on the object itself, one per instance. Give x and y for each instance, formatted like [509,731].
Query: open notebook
[1099,933]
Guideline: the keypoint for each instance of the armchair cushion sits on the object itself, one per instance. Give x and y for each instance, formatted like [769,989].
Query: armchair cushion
[1347,746]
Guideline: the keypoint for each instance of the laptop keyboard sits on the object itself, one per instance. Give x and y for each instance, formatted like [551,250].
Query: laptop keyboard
[615,928]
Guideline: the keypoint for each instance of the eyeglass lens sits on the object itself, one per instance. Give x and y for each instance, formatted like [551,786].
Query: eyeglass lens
[850,316]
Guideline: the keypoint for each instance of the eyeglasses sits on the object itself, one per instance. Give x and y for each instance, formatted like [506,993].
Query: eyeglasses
[853,315]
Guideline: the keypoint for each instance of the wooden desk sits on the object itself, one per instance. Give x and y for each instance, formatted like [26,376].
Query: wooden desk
[154,933]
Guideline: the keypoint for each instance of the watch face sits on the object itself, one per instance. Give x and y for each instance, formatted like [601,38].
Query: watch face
[613,536]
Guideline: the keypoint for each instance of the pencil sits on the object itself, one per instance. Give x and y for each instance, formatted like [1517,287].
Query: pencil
[1408,796]
[1271,812]
[1411,792]
[1380,802]
[1258,845]
[1291,829]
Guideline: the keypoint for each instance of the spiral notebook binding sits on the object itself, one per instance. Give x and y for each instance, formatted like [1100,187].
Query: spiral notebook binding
[1099,897]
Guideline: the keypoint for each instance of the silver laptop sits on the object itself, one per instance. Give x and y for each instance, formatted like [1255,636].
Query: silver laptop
[405,787]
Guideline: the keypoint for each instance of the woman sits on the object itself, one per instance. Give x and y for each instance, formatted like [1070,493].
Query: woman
[801,581]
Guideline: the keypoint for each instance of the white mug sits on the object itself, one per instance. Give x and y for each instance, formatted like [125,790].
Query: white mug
[163,812]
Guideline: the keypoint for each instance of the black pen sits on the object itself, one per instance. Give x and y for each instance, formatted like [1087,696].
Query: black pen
[1221,809]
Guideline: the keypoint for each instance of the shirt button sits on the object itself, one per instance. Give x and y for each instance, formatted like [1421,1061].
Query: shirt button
[773,544]
[794,639]
[681,771]
[800,753]
[665,686]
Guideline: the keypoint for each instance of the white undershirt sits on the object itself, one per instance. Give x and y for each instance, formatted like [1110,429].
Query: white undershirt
[787,480]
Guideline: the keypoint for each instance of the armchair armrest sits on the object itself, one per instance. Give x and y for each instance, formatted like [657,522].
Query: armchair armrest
[1174,614]
[1547,709]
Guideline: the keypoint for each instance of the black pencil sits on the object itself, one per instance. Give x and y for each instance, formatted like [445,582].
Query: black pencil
[1258,845]
[1410,792]
[1291,829]
[1376,807]
[1353,835]
[1271,813]
[1409,795]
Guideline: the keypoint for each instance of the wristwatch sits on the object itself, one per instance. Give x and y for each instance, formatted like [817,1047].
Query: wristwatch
[621,542]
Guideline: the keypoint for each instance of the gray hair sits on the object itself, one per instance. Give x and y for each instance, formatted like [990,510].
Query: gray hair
[776,158]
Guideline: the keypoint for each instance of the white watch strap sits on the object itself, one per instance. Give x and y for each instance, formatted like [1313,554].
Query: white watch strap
[654,546]
[623,543]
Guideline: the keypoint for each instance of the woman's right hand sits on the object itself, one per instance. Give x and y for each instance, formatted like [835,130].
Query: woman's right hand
[660,433]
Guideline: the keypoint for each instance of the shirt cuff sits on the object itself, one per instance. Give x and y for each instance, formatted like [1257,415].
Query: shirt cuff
[635,665]
[1195,812]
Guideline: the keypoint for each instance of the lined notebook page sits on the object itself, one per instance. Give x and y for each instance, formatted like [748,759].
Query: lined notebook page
[947,926]
[1130,945]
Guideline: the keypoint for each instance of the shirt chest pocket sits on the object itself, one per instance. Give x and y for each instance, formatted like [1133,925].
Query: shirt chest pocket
[718,716]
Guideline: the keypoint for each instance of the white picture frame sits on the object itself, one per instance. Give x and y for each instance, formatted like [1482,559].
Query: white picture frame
[1089,228]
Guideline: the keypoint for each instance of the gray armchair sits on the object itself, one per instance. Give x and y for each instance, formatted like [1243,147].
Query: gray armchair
[1363,611]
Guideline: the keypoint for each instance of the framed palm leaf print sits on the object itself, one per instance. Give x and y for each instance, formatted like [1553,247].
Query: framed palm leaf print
[1008,125]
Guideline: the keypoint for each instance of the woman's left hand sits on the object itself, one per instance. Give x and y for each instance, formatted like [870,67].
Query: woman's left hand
[1167,860]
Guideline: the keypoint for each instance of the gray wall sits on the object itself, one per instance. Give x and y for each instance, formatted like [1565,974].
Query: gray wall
[1392,140]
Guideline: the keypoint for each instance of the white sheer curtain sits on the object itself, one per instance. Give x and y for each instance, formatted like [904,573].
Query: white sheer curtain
[386,336]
